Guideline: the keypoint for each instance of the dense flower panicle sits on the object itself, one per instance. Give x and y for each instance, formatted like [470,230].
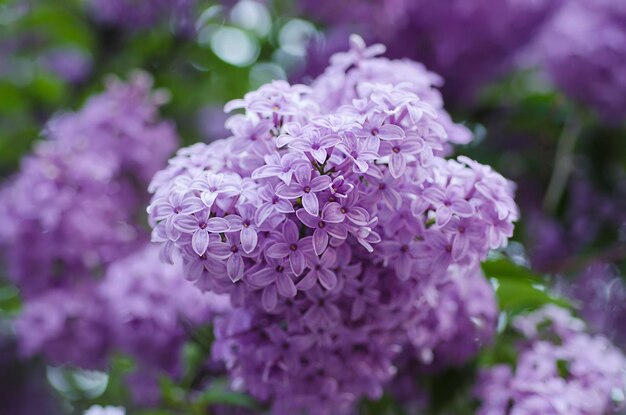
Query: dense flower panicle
[328,223]
[583,50]
[67,326]
[143,14]
[463,318]
[560,369]
[154,311]
[142,308]
[71,210]
[468,43]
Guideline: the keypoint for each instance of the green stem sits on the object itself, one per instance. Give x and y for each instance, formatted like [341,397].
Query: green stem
[563,163]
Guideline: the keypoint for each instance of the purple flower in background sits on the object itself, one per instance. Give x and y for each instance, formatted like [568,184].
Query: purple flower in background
[71,209]
[71,65]
[582,49]
[560,369]
[347,267]
[143,14]
[68,327]
[468,43]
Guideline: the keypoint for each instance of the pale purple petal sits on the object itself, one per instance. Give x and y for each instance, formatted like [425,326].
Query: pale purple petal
[285,286]
[310,203]
[262,278]
[269,298]
[278,250]
[249,239]
[200,242]
[235,267]
[320,241]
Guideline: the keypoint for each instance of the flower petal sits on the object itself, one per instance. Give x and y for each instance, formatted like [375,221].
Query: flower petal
[200,242]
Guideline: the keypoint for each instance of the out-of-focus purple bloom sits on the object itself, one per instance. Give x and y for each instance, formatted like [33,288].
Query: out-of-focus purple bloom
[71,209]
[349,266]
[71,65]
[468,43]
[153,311]
[142,14]
[583,50]
[67,327]
[560,370]
[601,293]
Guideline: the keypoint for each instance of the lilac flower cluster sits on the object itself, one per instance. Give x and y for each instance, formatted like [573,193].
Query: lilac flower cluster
[332,220]
[583,50]
[560,370]
[76,249]
[601,293]
[462,320]
[467,42]
[72,209]
[142,309]
[142,14]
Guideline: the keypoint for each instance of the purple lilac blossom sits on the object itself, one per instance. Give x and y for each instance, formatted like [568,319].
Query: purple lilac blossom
[143,14]
[141,308]
[72,208]
[153,312]
[332,250]
[601,293]
[463,318]
[67,326]
[590,212]
[467,42]
[70,64]
[583,50]
[561,370]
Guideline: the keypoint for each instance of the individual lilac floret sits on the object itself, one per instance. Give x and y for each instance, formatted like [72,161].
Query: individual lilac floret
[583,50]
[332,180]
[71,209]
[560,370]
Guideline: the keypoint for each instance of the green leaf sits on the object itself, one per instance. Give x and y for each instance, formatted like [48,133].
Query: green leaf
[220,393]
[518,288]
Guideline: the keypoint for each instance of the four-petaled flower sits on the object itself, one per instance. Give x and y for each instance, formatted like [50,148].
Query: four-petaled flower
[447,202]
[305,187]
[288,245]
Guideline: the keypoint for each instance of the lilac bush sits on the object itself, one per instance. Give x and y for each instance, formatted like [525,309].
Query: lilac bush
[141,308]
[333,220]
[467,42]
[143,14]
[560,369]
[72,208]
[73,239]
[583,50]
